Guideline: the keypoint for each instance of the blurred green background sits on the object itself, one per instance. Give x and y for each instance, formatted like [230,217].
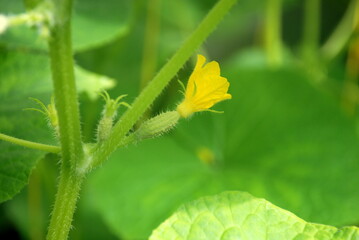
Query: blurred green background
[289,134]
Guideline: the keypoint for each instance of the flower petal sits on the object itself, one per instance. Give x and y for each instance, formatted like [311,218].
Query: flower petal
[205,88]
[200,61]
[211,68]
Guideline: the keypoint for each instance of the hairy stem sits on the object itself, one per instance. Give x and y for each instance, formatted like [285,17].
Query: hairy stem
[160,81]
[66,103]
[29,144]
[273,29]
[65,204]
[62,67]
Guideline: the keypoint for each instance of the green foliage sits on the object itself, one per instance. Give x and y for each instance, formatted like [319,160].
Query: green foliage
[104,22]
[279,138]
[24,75]
[92,83]
[282,136]
[238,215]
[15,169]
[20,78]
[93,24]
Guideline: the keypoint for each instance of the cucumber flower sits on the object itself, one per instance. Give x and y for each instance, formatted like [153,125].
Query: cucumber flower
[205,88]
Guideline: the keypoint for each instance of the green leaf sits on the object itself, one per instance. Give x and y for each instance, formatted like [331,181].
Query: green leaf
[24,75]
[238,215]
[153,187]
[15,169]
[22,71]
[93,24]
[92,83]
[279,138]
[96,24]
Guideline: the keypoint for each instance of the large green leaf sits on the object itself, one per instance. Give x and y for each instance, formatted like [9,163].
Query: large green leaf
[22,76]
[238,215]
[279,138]
[94,24]
[25,75]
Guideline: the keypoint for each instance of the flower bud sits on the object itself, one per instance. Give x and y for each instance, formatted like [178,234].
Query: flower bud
[108,115]
[50,112]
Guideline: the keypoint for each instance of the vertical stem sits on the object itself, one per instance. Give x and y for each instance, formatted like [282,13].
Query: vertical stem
[62,67]
[310,40]
[65,204]
[311,25]
[273,31]
[150,48]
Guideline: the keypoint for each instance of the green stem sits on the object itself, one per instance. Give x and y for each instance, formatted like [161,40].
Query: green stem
[62,67]
[341,35]
[66,102]
[65,204]
[160,81]
[273,31]
[149,60]
[29,144]
[30,4]
[311,30]
[35,208]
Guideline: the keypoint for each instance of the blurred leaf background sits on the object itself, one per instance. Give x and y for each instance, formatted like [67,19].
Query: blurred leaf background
[289,134]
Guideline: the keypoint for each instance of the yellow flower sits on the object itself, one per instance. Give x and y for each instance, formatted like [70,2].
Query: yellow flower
[205,88]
